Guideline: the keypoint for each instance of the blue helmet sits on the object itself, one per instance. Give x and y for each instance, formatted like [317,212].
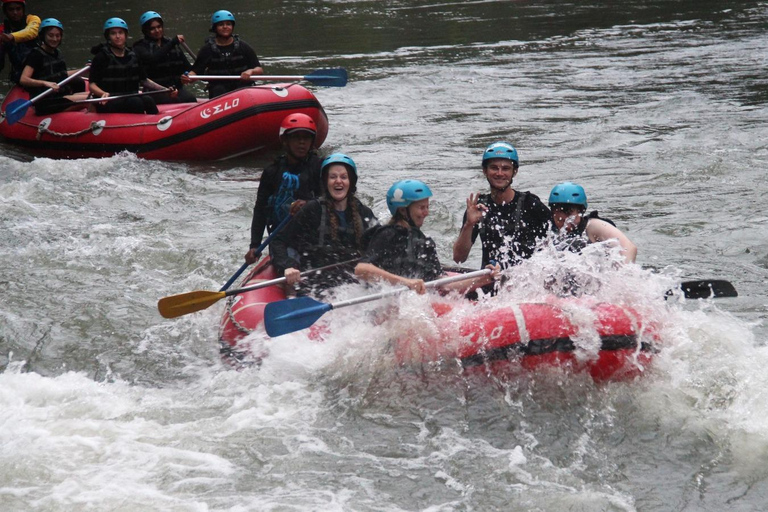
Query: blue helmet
[220,16]
[568,193]
[148,16]
[500,150]
[339,158]
[115,23]
[51,22]
[405,192]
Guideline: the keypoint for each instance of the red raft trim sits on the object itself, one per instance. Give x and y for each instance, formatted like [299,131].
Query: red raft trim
[533,335]
[239,122]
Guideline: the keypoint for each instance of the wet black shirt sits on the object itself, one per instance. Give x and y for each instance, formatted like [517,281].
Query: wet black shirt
[510,232]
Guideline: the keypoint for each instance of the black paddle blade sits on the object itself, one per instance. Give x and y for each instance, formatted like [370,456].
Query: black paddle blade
[705,289]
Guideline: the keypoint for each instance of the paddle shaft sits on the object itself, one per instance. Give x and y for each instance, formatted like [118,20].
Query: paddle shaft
[50,90]
[110,98]
[431,284]
[270,78]
[281,280]
[293,315]
[189,50]
[258,251]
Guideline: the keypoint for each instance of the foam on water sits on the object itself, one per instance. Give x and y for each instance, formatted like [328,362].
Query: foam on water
[104,405]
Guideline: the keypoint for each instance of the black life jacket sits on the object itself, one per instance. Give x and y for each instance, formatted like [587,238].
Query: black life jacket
[414,261]
[54,69]
[576,240]
[168,71]
[345,231]
[233,63]
[119,78]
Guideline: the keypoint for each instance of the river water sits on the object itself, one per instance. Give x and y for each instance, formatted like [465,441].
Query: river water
[656,107]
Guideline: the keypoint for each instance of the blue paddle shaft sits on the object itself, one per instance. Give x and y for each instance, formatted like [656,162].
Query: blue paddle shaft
[258,252]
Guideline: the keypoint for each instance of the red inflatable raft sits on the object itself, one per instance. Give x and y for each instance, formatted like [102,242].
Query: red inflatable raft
[240,122]
[490,339]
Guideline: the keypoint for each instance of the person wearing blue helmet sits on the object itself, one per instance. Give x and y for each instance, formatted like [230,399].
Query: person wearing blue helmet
[116,70]
[568,202]
[326,231]
[18,36]
[291,180]
[399,252]
[224,53]
[163,58]
[45,68]
[509,223]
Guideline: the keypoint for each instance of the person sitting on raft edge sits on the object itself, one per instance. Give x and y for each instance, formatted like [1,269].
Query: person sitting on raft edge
[399,253]
[224,53]
[162,58]
[289,182]
[327,230]
[568,202]
[45,68]
[116,70]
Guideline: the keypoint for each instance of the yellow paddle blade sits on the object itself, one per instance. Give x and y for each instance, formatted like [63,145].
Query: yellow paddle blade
[186,303]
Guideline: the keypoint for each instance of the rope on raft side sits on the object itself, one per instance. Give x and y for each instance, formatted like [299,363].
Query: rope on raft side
[42,129]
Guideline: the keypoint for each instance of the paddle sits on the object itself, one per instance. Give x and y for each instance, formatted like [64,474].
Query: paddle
[189,50]
[259,249]
[702,289]
[705,289]
[190,302]
[292,315]
[120,96]
[18,109]
[336,77]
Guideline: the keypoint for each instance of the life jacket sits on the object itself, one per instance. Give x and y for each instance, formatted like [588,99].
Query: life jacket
[232,63]
[119,78]
[54,69]
[414,260]
[345,232]
[280,202]
[17,52]
[576,240]
[168,71]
